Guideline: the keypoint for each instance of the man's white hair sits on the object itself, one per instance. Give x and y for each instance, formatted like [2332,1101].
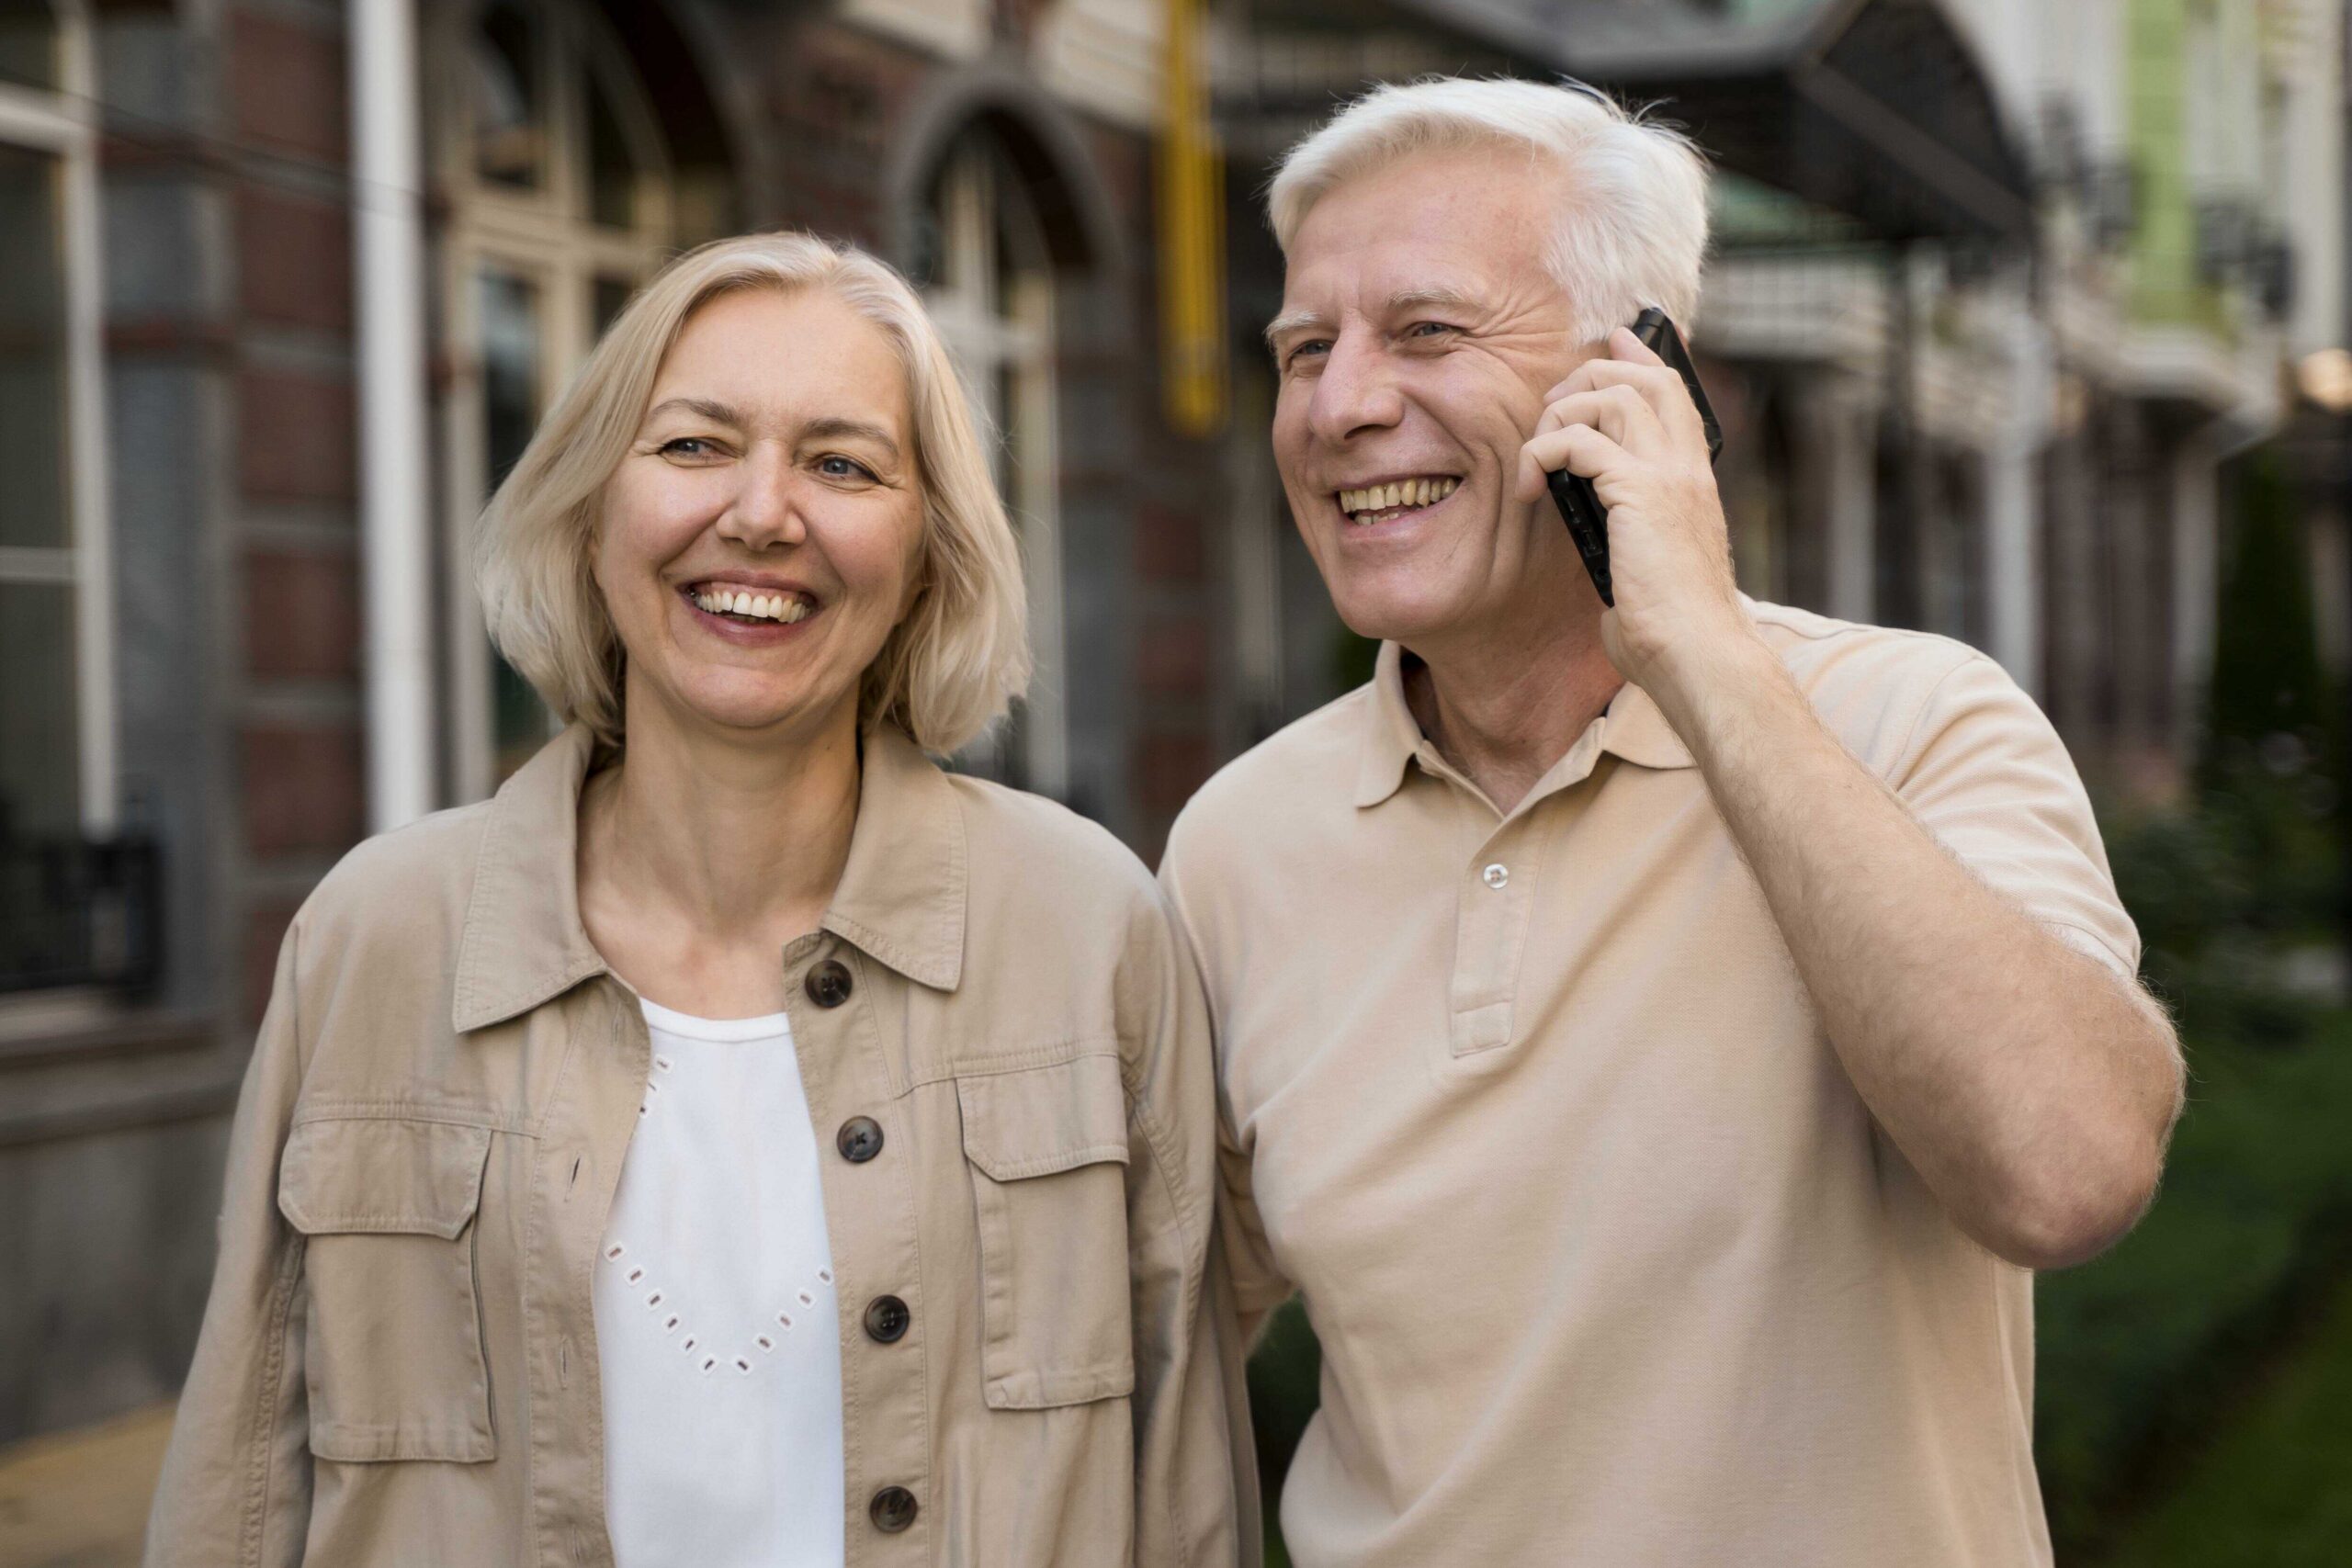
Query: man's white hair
[1633,223]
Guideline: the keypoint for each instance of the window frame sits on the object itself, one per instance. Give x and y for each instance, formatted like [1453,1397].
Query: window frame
[970,209]
[57,122]
[548,236]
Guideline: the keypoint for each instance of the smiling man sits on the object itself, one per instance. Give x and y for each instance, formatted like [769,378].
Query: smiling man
[1659,1042]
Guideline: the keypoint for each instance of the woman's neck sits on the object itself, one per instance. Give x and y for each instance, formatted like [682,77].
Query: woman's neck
[701,854]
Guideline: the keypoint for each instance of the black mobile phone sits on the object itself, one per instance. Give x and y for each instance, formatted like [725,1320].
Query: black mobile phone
[1580,508]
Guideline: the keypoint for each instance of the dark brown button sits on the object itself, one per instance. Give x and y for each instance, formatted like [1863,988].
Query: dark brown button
[828,984]
[885,1319]
[892,1510]
[859,1140]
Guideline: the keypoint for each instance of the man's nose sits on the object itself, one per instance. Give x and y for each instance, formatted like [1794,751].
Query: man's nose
[765,511]
[1355,392]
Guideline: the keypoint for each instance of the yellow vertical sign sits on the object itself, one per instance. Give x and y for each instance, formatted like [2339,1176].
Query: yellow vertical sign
[1191,230]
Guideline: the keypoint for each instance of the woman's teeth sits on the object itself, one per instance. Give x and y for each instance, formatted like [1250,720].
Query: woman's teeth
[1377,502]
[781,607]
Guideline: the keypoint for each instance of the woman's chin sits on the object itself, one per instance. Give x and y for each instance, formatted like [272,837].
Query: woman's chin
[745,709]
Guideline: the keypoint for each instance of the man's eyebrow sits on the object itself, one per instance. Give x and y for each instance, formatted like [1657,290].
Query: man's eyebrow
[1283,325]
[1430,299]
[837,426]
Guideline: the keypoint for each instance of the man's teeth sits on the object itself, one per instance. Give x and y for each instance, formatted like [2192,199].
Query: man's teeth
[1404,492]
[759,607]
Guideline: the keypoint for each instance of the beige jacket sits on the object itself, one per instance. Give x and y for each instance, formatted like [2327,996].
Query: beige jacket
[1006,1053]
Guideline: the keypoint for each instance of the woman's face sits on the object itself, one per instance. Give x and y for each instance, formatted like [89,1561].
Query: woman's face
[760,539]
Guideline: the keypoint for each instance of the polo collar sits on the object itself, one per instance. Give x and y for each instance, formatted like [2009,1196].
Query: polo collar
[902,899]
[1632,728]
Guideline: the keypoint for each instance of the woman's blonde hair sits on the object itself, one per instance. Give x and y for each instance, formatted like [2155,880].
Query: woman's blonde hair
[949,668]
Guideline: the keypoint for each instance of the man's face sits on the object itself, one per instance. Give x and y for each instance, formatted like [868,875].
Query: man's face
[1420,331]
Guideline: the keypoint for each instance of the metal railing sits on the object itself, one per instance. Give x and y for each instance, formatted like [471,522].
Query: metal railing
[79,913]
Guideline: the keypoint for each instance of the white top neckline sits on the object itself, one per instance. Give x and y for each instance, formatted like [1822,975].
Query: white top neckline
[719,1031]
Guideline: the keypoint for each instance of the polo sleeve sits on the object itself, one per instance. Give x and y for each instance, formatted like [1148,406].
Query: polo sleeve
[235,1488]
[1986,774]
[1194,1508]
[1257,1281]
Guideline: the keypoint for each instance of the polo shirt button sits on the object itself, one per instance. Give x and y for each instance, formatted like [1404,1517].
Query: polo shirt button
[859,1140]
[828,984]
[1496,875]
[892,1510]
[885,1320]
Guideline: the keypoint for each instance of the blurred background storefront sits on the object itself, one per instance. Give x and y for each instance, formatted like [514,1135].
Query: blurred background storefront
[2026,320]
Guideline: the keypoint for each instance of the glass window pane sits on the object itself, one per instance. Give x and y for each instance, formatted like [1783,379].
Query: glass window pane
[508,306]
[509,97]
[612,172]
[612,293]
[28,44]
[40,741]
[509,310]
[32,352]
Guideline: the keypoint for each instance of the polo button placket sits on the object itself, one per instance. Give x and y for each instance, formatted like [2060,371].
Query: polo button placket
[1492,909]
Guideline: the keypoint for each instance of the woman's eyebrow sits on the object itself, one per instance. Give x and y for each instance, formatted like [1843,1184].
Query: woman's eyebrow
[717,413]
[835,427]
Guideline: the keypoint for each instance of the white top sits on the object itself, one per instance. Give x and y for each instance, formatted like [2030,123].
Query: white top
[716,1328]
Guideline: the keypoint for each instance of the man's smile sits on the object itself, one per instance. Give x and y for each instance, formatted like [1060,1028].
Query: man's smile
[1391,499]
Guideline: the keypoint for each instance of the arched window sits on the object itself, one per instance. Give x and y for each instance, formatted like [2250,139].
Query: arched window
[561,201]
[57,741]
[982,260]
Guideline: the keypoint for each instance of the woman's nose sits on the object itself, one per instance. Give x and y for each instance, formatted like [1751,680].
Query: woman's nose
[765,511]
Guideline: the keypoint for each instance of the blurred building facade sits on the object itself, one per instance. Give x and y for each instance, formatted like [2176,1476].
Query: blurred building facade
[1999,286]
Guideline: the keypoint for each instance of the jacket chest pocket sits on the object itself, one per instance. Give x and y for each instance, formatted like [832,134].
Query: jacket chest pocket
[393,1348]
[1048,1151]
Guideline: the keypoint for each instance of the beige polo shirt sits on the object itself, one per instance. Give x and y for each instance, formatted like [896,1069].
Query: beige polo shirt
[1610,1263]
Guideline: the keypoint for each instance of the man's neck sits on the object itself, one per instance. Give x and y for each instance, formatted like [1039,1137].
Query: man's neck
[1504,709]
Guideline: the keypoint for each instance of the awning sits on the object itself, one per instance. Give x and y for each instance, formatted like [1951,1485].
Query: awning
[1875,108]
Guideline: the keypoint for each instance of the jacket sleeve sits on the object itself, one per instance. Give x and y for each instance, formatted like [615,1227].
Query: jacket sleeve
[235,1488]
[1197,1500]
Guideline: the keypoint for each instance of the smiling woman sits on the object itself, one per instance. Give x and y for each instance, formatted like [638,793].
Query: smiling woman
[955,656]
[734,1044]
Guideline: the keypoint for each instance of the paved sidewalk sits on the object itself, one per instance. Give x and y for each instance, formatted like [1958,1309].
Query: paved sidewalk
[79,1499]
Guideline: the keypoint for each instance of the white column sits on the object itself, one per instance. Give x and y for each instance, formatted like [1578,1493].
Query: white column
[1846,424]
[2012,515]
[388,251]
[2195,483]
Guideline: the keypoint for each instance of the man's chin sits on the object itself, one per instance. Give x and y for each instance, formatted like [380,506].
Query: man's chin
[1385,619]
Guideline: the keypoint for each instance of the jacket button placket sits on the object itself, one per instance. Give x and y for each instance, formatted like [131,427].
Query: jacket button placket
[873,1189]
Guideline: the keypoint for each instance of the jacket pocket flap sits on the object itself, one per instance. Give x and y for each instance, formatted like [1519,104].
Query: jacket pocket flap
[382,1174]
[1038,1121]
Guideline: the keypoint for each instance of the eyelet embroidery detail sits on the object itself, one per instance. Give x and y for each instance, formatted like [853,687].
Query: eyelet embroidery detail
[615,1253]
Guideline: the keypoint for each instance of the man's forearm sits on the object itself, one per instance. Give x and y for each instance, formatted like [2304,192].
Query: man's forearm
[2031,1089]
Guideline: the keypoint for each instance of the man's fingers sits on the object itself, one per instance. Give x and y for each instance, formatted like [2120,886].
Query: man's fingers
[1657,383]
[1578,448]
[1619,411]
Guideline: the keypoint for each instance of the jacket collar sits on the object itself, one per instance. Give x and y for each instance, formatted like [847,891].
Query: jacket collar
[902,899]
[1631,728]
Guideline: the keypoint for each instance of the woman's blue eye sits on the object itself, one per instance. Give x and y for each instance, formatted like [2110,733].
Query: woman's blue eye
[844,469]
[688,446]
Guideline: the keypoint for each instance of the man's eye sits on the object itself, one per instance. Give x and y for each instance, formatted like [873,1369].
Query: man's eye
[1312,348]
[840,467]
[1427,329]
